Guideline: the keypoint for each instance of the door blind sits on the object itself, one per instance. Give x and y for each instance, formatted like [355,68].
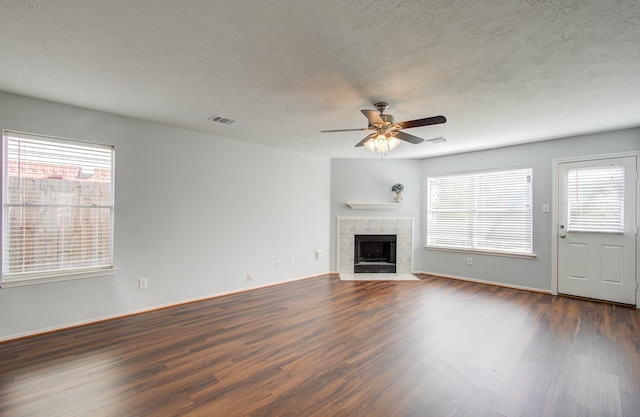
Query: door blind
[596,199]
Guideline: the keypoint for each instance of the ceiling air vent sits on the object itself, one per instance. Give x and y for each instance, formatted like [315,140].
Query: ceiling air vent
[221,119]
[436,140]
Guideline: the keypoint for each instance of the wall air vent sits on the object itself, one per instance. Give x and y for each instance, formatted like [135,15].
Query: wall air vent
[221,119]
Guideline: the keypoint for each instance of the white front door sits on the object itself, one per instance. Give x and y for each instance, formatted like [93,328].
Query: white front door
[597,228]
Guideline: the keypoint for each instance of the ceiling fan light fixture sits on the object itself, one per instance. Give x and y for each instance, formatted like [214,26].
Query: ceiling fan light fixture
[382,143]
[393,142]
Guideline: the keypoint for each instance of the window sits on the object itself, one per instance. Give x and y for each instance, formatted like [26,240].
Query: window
[595,198]
[488,211]
[57,208]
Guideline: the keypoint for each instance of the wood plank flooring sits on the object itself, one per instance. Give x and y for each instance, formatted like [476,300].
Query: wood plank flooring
[325,347]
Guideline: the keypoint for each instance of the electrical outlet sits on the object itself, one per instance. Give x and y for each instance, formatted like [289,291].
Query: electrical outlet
[249,278]
[319,254]
[292,261]
[143,283]
[469,261]
[278,263]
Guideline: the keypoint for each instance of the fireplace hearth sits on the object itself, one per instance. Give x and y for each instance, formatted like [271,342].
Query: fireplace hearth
[374,254]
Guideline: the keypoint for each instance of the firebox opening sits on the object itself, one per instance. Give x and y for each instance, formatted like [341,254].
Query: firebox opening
[374,253]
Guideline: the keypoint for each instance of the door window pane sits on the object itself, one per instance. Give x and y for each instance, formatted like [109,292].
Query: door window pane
[596,199]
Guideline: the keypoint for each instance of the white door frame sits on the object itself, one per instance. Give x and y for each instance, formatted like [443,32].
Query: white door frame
[554,214]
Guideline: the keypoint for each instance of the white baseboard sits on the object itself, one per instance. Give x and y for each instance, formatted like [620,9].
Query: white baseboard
[481,281]
[148,309]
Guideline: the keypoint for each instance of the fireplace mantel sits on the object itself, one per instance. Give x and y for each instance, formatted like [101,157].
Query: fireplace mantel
[375,206]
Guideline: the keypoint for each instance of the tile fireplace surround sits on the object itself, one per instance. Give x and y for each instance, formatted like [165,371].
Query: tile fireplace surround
[348,227]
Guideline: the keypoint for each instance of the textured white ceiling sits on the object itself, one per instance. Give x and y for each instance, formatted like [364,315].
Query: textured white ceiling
[501,71]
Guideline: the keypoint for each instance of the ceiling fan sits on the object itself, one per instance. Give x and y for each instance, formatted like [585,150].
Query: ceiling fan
[387,133]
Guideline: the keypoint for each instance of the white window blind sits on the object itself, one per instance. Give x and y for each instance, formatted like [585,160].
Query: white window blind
[485,211]
[596,199]
[57,206]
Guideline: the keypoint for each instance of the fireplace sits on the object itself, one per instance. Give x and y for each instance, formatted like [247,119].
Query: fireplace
[374,253]
[348,227]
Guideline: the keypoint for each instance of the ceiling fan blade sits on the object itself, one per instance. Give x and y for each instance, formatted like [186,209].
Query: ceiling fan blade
[427,121]
[373,117]
[344,130]
[361,143]
[408,138]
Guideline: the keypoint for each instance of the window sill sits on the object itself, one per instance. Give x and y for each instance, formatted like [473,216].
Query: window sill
[483,252]
[44,278]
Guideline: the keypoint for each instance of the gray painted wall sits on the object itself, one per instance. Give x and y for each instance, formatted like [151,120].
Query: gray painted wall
[530,273]
[194,213]
[370,181]
[247,206]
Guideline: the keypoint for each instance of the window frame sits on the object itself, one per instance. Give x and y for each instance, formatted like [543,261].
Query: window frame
[60,273]
[471,249]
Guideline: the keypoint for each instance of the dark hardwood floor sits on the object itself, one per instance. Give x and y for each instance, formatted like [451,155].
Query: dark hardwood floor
[322,347]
